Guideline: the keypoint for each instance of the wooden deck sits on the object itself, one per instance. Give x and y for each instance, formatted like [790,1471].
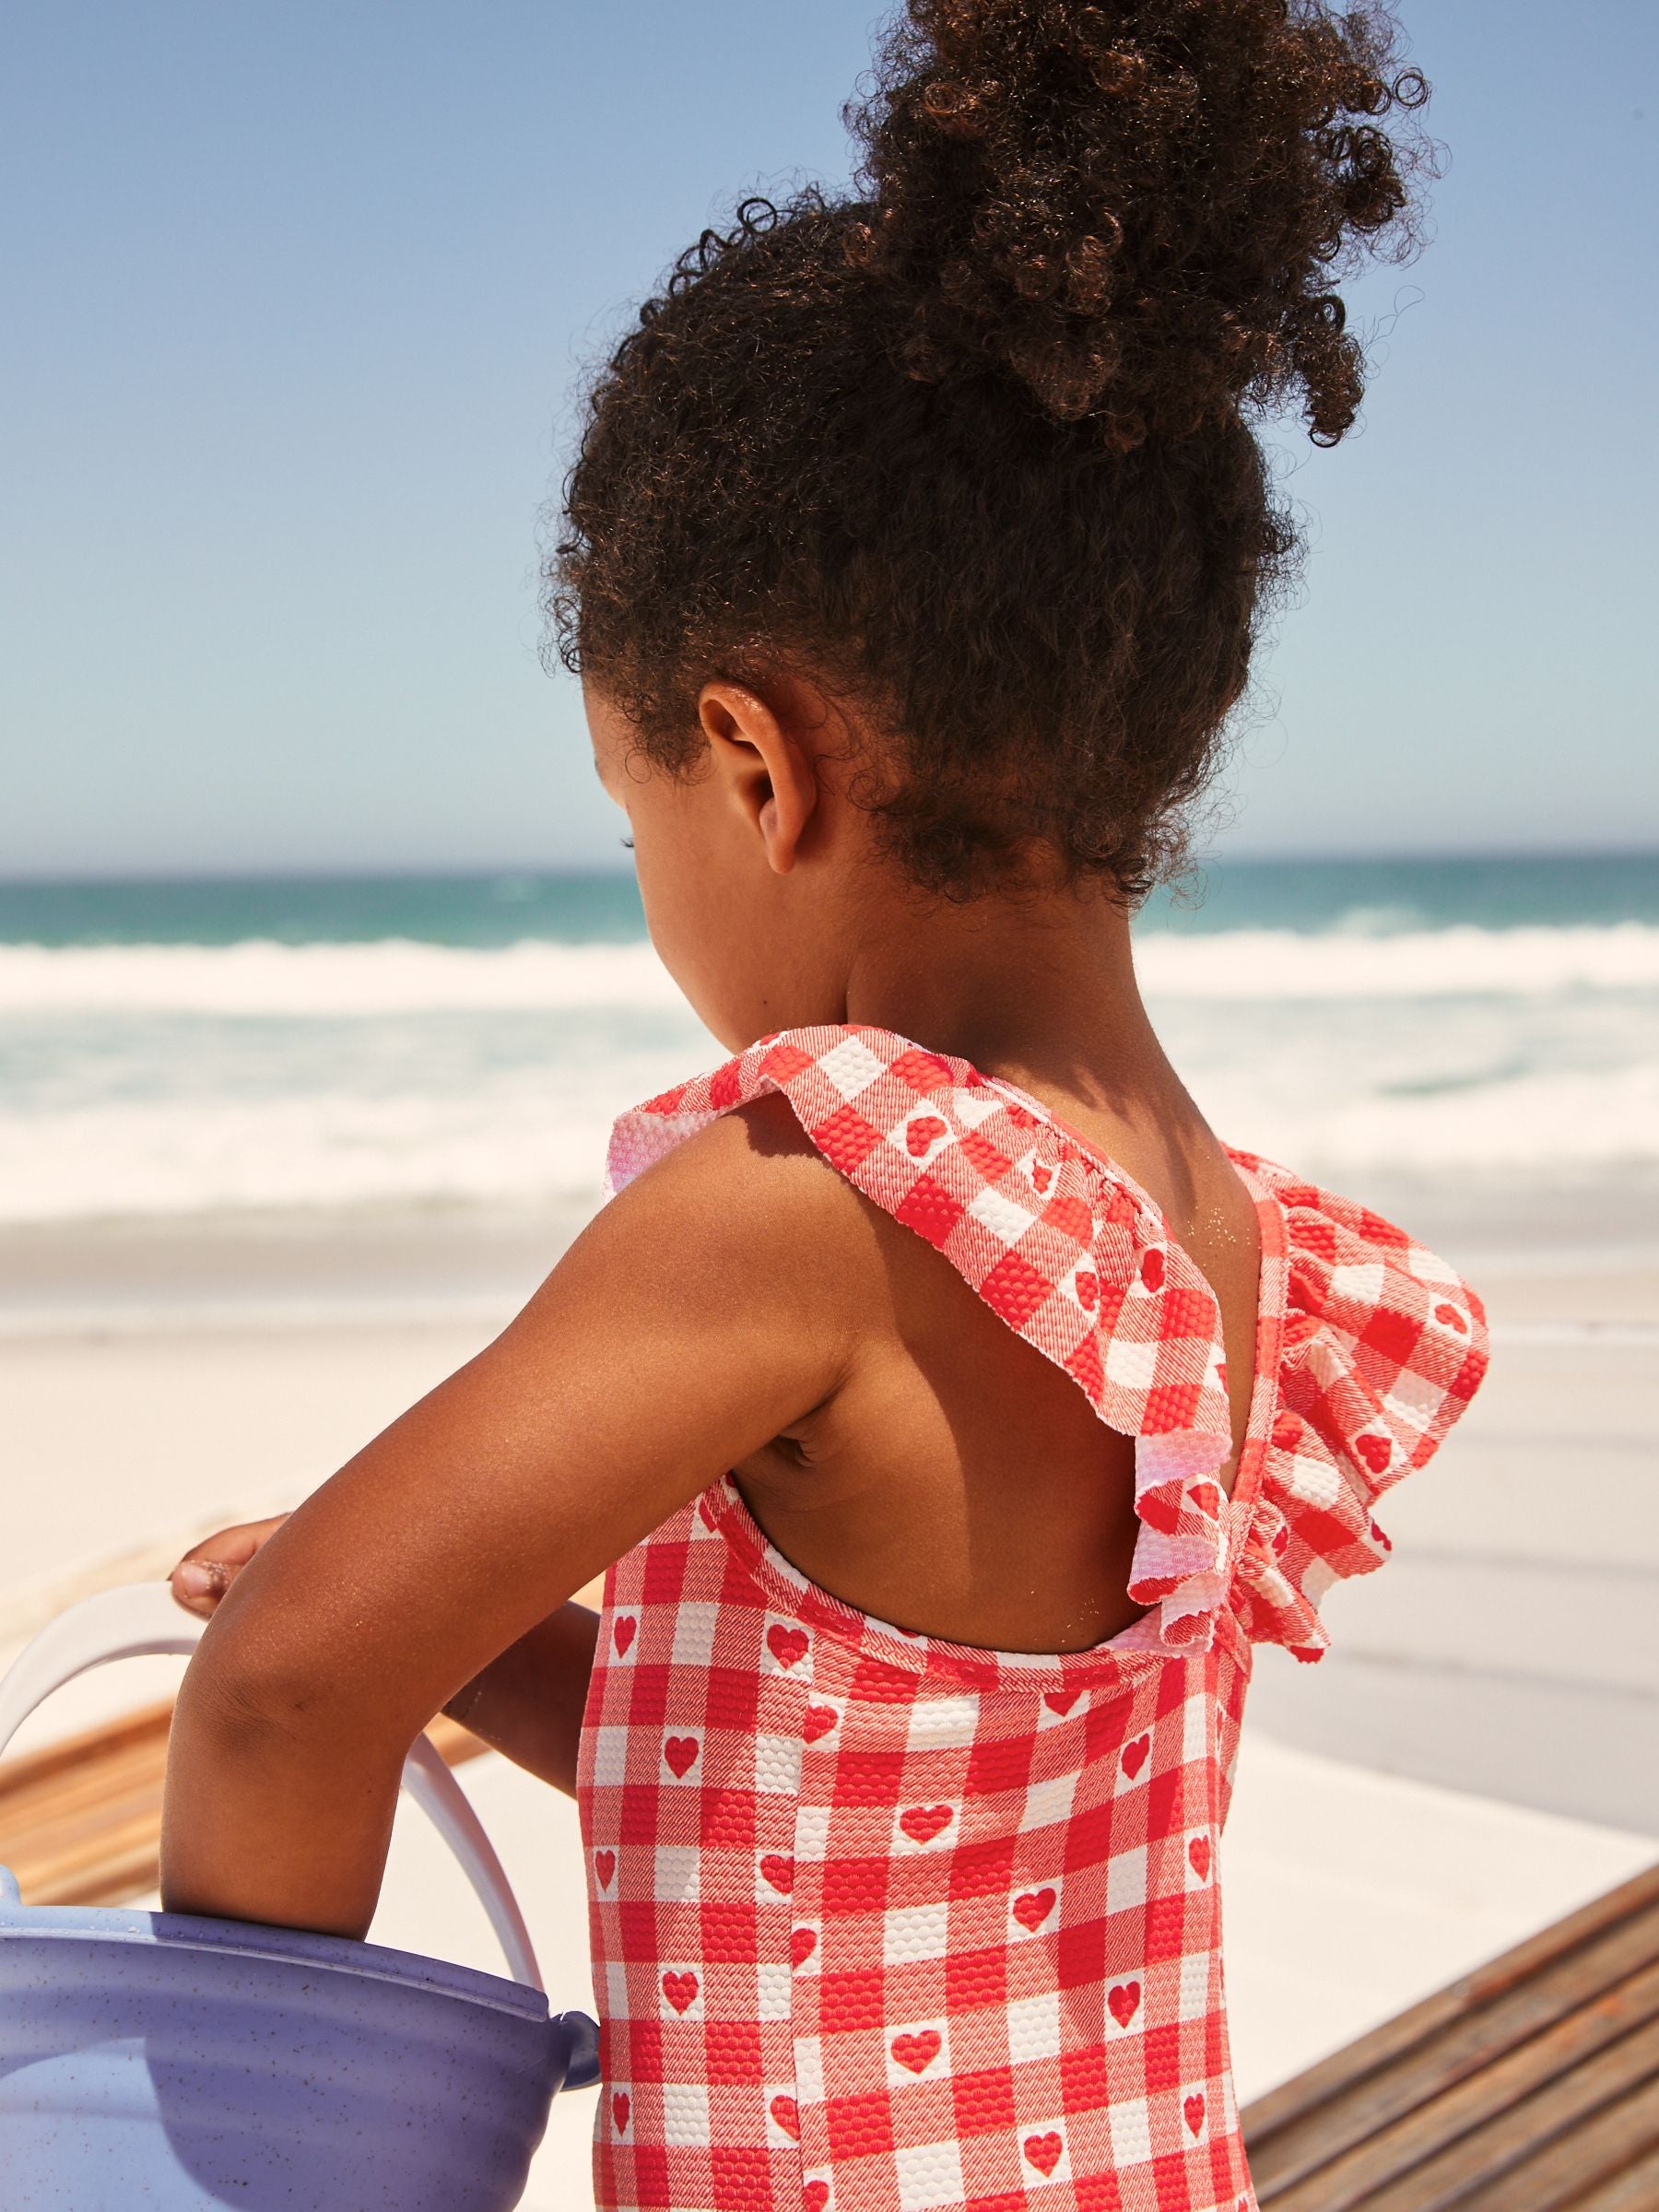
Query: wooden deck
[80,1822]
[1532,2085]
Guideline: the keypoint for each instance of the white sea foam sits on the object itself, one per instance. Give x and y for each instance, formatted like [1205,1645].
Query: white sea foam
[1439,963]
[168,1080]
[516,1140]
[396,976]
[325,981]
[167,1114]
[169,1156]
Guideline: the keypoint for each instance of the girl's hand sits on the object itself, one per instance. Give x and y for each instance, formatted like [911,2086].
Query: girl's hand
[208,1570]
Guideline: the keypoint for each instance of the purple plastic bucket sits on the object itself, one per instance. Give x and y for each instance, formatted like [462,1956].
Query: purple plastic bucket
[158,2060]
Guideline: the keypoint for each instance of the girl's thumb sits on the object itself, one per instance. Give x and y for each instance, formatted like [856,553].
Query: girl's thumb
[199,1580]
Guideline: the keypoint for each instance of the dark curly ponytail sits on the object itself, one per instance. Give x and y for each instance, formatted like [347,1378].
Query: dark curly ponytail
[974,443]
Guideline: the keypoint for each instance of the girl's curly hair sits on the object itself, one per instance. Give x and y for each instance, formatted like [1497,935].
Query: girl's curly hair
[975,441]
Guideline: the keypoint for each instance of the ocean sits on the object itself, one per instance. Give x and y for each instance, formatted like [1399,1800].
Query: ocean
[1475,1039]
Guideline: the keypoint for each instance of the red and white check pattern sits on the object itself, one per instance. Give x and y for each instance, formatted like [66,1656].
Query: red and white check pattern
[1382,1346]
[882,1923]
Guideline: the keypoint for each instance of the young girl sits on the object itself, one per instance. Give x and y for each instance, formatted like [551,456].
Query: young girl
[957,1409]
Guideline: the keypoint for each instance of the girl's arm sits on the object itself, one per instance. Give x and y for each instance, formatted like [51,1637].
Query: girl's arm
[711,1305]
[527,1704]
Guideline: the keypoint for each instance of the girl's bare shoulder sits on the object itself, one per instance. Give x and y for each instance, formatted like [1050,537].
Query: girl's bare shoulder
[750,1195]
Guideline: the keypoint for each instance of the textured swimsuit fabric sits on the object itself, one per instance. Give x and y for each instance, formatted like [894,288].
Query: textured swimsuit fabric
[884,1924]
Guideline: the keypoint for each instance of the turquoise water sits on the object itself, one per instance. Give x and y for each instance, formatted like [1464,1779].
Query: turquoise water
[477,911]
[1547,890]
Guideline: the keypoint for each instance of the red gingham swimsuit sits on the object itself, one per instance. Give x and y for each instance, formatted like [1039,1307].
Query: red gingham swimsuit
[883,1923]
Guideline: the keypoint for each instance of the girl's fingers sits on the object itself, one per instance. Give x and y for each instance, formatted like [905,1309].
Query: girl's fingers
[199,1584]
[206,1572]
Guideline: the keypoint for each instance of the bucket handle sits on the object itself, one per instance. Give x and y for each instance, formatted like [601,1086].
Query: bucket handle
[140,1620]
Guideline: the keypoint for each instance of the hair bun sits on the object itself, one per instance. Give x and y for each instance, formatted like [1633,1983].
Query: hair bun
[1139,210]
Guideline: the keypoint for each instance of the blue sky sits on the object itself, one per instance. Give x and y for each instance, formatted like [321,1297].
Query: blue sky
[297,294]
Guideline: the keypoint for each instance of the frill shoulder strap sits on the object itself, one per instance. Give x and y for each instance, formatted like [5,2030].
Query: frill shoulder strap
[1065,1248]
[1384,1348]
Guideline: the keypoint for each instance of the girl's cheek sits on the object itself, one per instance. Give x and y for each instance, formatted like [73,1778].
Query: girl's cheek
[704,949]
[678,925]
[700,910]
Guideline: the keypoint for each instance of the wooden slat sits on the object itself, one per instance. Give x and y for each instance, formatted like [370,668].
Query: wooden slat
[80,1820]
[1635,2190]
[1598,2149]
[1473,2041]
[1503,2156]
[135,1731]
[1320,2084]
[1530,2086]
[76,1817]
[1434,2120]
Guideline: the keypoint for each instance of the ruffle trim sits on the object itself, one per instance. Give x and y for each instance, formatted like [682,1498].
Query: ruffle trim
[1384,1345]
[1067,1249]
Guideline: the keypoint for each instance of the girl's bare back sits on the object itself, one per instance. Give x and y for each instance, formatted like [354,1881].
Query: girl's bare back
[958,1482]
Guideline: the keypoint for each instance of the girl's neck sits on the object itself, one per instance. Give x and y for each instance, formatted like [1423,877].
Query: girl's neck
[1039,990]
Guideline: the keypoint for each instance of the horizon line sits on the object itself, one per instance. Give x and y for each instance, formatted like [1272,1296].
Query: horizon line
[505,871]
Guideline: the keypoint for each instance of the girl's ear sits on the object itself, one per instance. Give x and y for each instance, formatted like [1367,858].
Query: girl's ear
[768,775]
